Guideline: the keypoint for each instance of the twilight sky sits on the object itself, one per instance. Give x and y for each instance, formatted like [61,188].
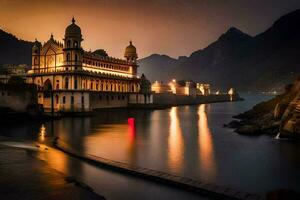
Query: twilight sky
[172,27]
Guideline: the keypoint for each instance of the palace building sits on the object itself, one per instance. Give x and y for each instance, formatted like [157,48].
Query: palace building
[72,79]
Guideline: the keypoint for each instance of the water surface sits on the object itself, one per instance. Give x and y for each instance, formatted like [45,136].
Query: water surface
[187,140]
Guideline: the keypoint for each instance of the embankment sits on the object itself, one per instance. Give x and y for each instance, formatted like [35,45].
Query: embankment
[207,189]
[173,99]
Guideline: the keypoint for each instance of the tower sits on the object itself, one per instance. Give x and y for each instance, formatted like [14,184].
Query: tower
[36,50]
[73,53]
[130,53]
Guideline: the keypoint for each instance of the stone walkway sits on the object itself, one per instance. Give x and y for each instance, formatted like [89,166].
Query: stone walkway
[25,177]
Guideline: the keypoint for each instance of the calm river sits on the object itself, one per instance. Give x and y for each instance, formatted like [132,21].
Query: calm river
[188,140]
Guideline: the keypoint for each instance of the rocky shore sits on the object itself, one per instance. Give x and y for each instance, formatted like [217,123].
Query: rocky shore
[278,115]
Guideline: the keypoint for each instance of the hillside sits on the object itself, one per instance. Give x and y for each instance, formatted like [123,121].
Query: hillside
[264,62]
[14,50]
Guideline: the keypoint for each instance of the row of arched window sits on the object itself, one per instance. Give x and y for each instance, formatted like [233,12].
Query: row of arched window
[105,65]
[96,85]
[104,86]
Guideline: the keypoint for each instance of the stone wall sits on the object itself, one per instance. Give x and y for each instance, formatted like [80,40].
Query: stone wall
[18,98]
[173,99]
[108,100]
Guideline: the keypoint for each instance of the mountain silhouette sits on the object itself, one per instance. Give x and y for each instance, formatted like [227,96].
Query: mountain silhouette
[13,50]
[266,61]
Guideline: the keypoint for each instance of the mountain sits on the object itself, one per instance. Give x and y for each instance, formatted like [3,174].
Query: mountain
[13,50]
[158,66]
[264,62]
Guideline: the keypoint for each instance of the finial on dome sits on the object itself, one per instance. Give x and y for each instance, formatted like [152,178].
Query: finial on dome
[130,42]
[51,36]
[73,20]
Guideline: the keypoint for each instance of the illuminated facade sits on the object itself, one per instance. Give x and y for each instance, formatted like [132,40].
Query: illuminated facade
[187,88]
[203,88]
[72,79]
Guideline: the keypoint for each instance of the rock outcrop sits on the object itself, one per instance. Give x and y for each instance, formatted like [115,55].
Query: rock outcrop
[278,115]
[290,121]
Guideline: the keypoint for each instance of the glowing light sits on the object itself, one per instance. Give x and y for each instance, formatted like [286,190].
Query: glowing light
[231,93]
[131,123]
[175,141]
[42,133]
[206,154]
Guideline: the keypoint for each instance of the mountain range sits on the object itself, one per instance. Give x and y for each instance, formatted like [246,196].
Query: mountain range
[265,62]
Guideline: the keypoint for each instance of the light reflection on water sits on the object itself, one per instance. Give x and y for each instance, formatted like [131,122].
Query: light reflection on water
[187,140]
[206,148]
[175,142]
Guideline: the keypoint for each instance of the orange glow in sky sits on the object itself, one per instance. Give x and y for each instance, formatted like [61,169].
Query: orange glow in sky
[172,27]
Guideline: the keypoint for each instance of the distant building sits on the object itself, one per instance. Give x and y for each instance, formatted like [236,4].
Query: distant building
[179,88]
[203,89]
[7,71]
[72,79]
[160,87]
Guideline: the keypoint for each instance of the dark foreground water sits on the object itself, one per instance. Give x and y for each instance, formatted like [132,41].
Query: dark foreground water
[188,140]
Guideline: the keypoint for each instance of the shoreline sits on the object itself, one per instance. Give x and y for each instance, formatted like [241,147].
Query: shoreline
[26,116]
[32,178]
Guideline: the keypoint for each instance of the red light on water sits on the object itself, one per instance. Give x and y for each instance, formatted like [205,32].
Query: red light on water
[131,123]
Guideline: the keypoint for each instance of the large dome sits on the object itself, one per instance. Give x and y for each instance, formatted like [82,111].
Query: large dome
[130,51]
[73,30]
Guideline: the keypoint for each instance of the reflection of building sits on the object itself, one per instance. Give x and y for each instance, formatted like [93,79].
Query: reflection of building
[12,70]
[71,79]
[203,88]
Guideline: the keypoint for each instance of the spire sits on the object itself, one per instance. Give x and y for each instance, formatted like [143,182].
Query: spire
[51,37]
[130,42]
[73,20]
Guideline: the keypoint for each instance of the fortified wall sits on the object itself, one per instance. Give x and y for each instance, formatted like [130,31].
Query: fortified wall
[174,99]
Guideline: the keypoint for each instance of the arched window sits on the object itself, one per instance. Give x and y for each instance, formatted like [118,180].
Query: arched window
[72,100]
[68,43]
[66,83]
[75,83]
[68,56]
[75,43]
[91,86]
[35,61]
[56,99]
[76,57]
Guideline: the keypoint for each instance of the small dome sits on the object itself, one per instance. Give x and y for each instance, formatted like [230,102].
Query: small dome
[73,30]
[130,51]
